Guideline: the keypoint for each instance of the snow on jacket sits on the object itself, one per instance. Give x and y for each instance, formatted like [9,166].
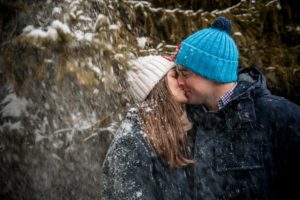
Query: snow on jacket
[131,170]
[250,149]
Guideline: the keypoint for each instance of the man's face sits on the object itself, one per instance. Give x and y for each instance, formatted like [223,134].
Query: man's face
[197,89]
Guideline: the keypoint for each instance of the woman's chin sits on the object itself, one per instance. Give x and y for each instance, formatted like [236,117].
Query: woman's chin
[183,99]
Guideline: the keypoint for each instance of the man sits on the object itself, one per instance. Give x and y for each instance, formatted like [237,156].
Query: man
[246,140]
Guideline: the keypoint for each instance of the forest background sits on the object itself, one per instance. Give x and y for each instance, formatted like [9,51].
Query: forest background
[62,67]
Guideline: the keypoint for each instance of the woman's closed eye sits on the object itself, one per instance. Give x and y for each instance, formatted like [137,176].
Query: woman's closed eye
[172,73]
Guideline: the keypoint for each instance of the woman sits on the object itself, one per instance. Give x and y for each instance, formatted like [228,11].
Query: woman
[148,157]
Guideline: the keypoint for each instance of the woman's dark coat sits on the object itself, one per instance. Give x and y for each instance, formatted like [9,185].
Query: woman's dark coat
[131,170]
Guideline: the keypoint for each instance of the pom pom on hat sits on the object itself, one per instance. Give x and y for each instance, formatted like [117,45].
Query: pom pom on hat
[222,24]
[211,52]
[146,72]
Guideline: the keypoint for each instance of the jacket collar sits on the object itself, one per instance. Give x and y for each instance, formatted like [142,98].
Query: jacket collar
[251,82]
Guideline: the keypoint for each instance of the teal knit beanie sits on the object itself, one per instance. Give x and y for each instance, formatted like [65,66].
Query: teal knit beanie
[211,52]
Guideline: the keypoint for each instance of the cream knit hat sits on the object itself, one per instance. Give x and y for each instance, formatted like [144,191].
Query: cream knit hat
[145,73]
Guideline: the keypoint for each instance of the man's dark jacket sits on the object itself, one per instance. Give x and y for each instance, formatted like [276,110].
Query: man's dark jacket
[250,149]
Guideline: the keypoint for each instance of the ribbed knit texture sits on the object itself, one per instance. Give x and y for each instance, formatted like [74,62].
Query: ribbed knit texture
[211,52]
[145,73]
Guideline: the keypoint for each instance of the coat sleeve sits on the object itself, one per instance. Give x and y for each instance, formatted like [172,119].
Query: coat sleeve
[127,171]
[287,126]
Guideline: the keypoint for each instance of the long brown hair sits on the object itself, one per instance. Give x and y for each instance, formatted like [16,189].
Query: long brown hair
[160,120]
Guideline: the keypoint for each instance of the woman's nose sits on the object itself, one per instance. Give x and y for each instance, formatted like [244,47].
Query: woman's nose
[180,80]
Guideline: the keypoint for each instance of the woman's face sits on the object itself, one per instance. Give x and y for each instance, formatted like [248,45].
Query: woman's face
[176,90]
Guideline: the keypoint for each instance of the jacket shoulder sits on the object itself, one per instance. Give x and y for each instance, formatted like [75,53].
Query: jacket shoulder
[278,103]
[126,171]
[282,113]
[128,139]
